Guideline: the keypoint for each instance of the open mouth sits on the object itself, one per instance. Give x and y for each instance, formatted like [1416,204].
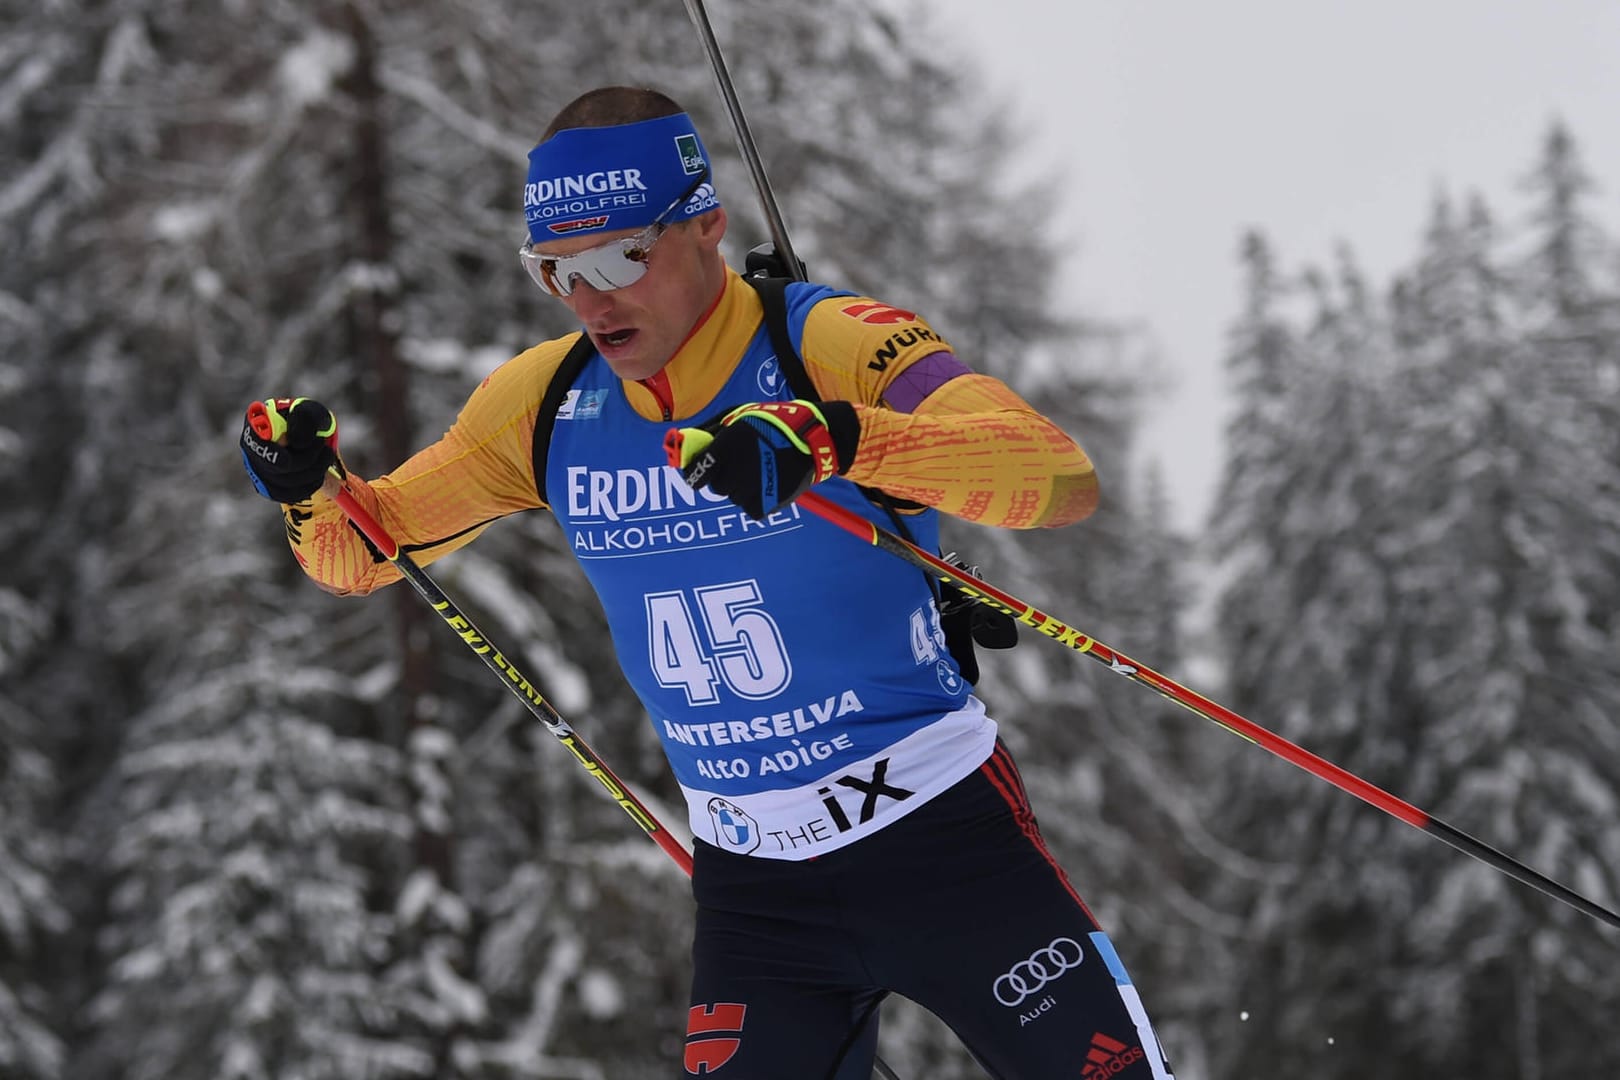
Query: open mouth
[616,338]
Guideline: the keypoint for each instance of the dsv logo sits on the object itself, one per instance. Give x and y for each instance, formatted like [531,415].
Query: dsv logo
[1043,965]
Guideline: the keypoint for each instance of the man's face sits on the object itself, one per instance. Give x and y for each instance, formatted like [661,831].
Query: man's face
[638,328]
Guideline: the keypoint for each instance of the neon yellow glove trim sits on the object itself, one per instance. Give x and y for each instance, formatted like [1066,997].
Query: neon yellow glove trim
[694,440]
[766,411]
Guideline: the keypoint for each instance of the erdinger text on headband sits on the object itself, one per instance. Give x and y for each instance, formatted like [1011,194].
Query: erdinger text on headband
[609,179]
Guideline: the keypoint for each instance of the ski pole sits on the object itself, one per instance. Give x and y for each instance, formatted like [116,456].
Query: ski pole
[514,680]
[1118,662]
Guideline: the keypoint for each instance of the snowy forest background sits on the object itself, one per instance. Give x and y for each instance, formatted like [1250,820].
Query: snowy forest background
[249,831]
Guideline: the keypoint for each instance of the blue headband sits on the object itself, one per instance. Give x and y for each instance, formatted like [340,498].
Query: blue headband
[597,179]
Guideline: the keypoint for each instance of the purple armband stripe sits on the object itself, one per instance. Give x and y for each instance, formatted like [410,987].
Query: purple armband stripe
[912,385]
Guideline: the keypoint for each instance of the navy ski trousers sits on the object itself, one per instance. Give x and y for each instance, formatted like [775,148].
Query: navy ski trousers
[957,906]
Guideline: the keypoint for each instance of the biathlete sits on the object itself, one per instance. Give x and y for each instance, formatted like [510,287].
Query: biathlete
[860,829]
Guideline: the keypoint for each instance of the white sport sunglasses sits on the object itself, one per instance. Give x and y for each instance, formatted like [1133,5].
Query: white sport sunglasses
[612,265]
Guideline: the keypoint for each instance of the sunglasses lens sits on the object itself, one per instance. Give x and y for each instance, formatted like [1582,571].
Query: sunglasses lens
[605,267]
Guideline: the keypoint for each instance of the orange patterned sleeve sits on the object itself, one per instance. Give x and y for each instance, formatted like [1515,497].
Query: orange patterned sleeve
[970,446]
[442,497]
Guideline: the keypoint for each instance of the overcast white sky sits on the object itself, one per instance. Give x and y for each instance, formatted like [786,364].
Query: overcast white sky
[1179,123]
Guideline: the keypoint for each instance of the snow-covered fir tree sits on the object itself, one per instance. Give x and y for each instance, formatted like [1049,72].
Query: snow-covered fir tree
[32,914]
[314,837]
[1423,613]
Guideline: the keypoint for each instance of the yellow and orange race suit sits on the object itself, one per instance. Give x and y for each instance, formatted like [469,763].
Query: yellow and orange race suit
[970,447]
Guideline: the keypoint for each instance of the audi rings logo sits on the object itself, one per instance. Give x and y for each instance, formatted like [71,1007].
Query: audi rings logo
[1028,976]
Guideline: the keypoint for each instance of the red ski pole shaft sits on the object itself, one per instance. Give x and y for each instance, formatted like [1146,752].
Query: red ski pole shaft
[1119,663]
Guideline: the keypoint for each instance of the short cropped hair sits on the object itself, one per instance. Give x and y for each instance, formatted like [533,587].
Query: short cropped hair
[607,106]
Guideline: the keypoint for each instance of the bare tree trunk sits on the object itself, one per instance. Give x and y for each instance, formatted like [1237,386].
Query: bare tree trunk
[376,342]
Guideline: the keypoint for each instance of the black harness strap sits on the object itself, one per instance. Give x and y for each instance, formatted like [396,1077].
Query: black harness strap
[959,617]
[546,419]
[773,297]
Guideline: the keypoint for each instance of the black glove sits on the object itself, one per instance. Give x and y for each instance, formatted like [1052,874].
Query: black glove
[765,455]
[967,623]
[287,446]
